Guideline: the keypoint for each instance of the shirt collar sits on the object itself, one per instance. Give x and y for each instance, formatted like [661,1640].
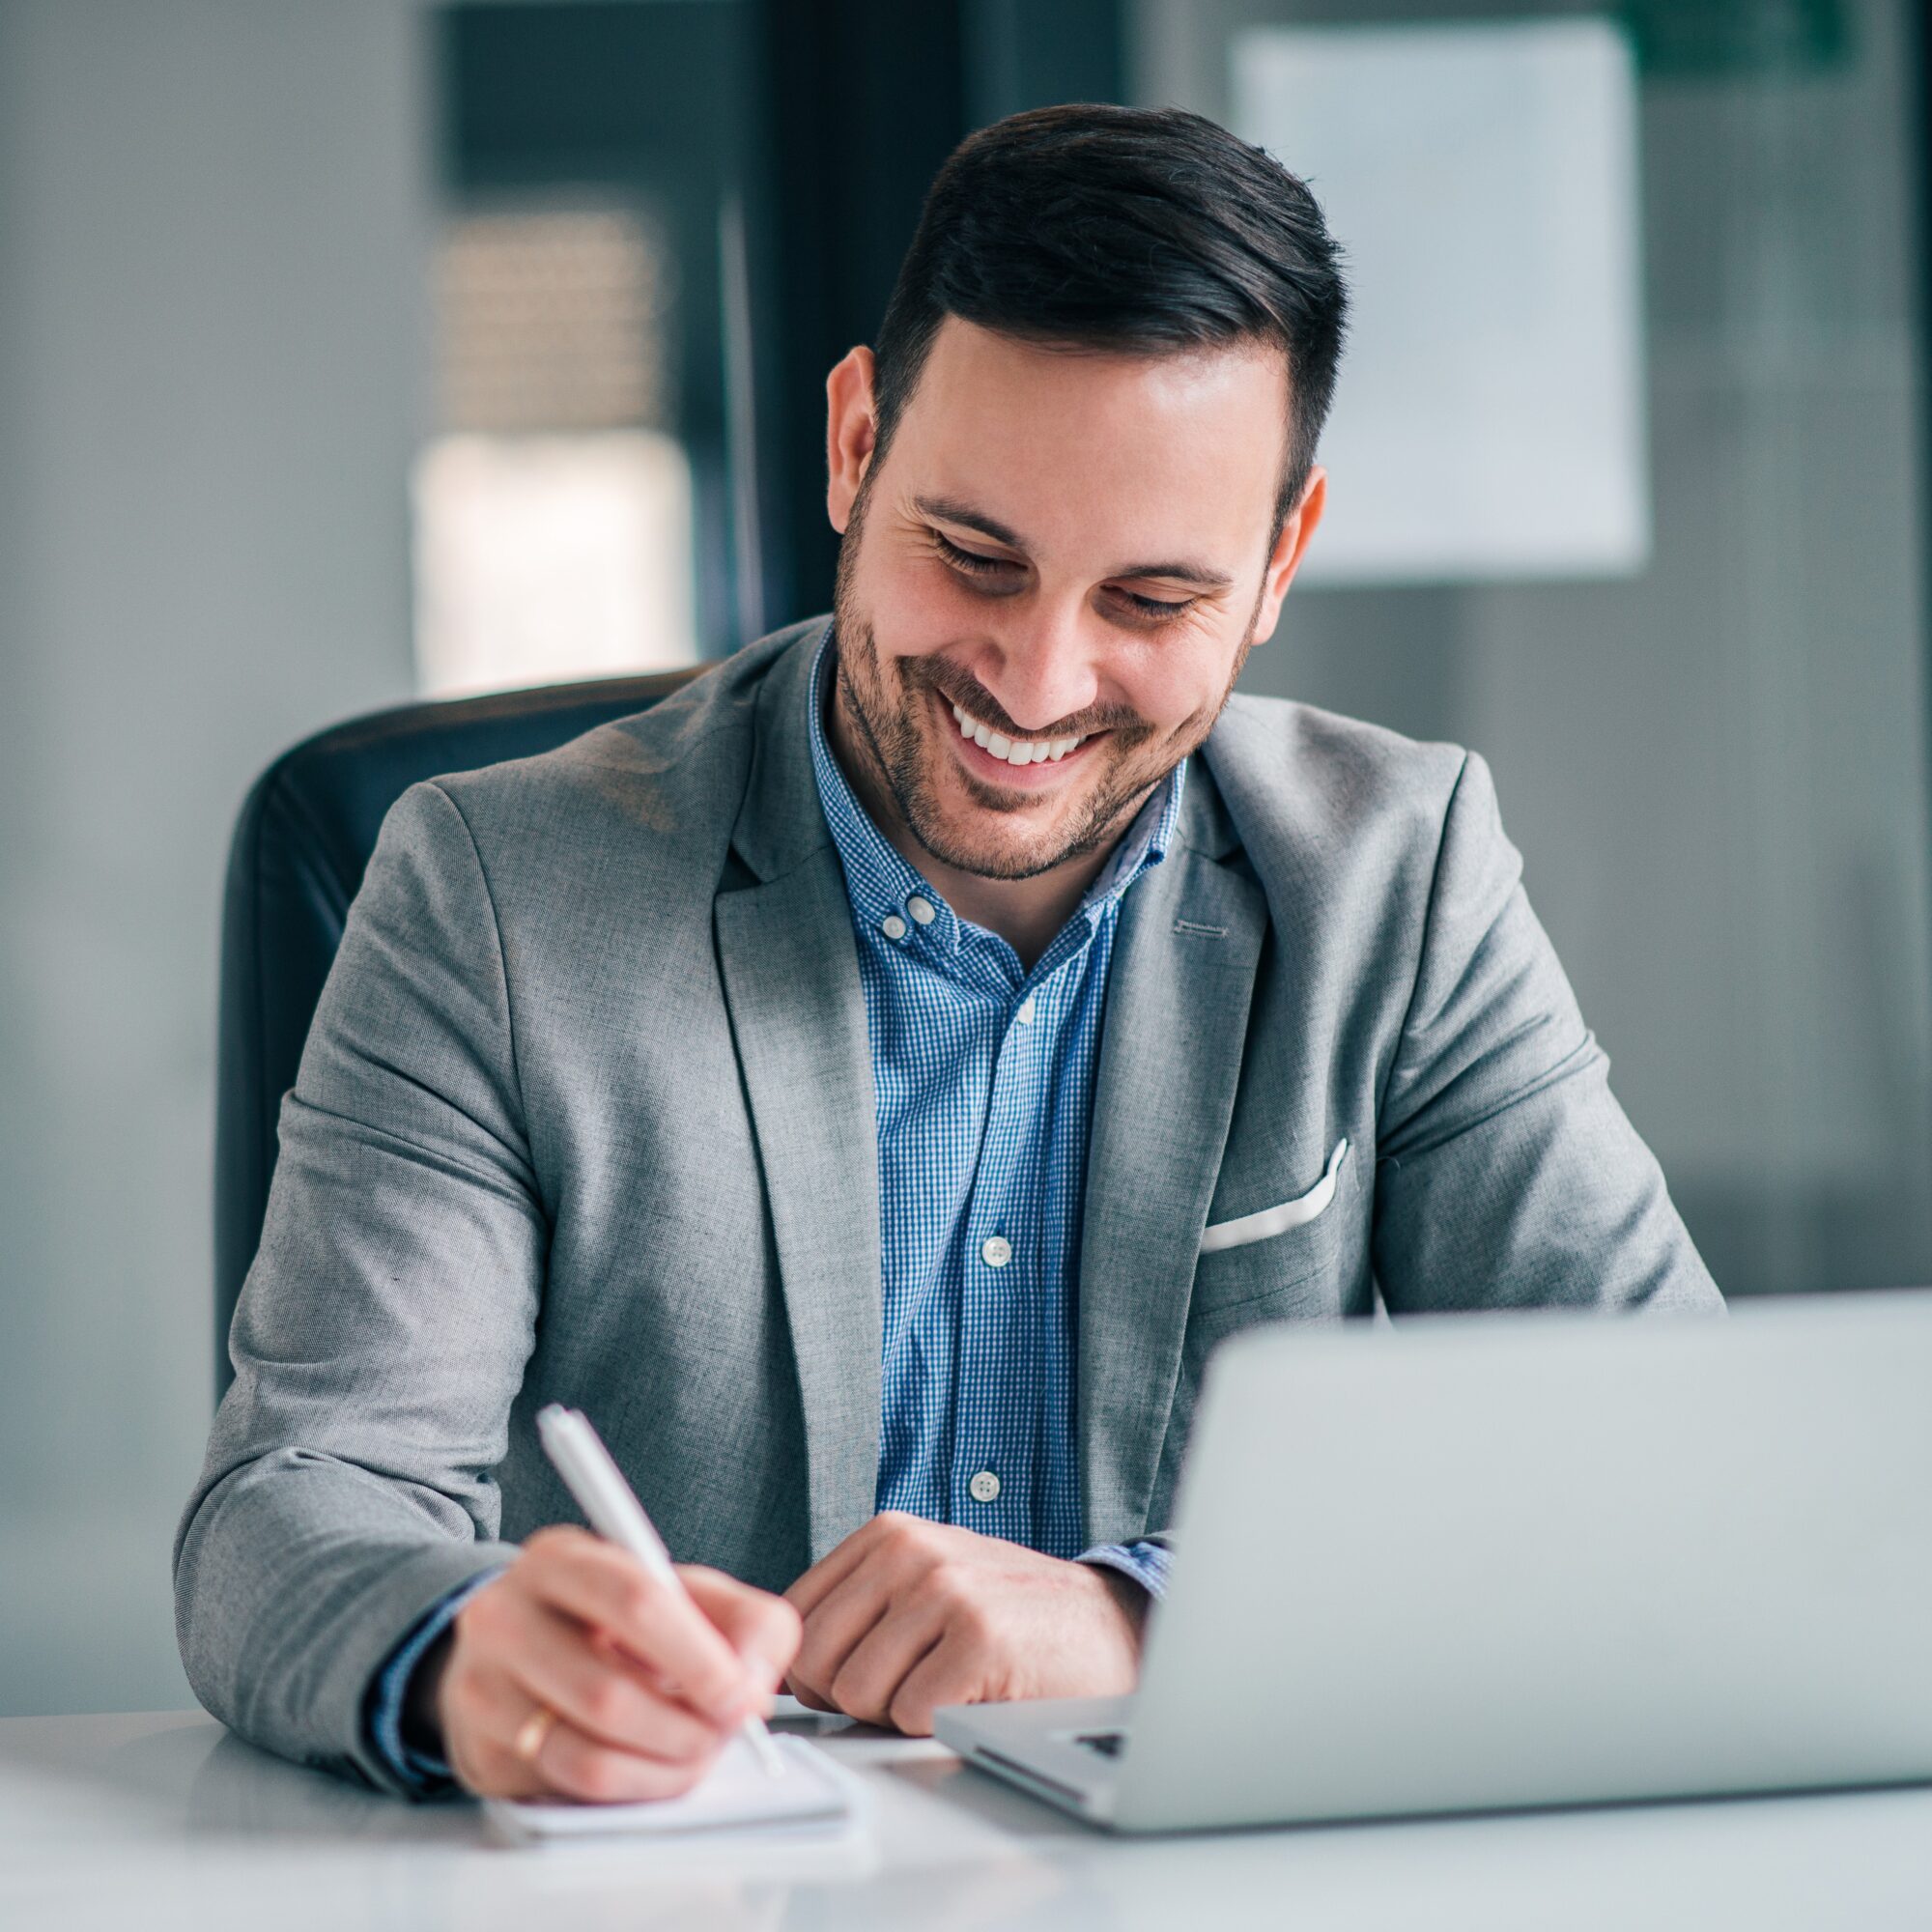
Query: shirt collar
[878,881]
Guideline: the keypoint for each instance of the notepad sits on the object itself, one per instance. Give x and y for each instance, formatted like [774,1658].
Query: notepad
[813,1797]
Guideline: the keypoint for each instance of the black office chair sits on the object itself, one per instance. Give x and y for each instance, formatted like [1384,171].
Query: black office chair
[301,846]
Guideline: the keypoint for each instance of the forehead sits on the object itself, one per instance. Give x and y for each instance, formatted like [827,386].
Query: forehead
[1076,449]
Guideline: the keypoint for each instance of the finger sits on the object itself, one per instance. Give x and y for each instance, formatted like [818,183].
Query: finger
[566,1762]
[868,1684]
[839,1625]
[948,1673]
[478,1725]
[652,1617]
[754,1699]
[558,1663]
[831,1569]
[487,1713]
[764,1630]
[812,1699]
[575,1766]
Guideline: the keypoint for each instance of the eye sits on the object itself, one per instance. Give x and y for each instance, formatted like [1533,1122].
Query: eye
[969,562]
[1154,610]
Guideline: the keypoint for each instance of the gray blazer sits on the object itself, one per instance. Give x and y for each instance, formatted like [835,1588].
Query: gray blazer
[586,1113]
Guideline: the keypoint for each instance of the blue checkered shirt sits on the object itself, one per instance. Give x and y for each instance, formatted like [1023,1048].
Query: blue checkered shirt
[983,1075]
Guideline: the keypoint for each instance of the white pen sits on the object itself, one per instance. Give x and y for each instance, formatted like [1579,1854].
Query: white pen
[615,1513]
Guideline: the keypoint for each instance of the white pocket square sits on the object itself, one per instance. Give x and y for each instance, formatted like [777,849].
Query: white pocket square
[1277,1220]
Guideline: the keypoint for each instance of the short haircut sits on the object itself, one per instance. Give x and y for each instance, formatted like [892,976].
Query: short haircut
[1145,231]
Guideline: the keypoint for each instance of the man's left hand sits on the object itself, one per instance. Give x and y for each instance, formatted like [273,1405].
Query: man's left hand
[906,1615]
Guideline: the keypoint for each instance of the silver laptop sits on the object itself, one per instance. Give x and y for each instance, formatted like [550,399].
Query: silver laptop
[1499,1560]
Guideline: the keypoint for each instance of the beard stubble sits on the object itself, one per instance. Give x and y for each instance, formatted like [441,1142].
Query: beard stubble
[898,756]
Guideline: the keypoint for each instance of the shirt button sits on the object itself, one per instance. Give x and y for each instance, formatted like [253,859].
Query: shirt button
[984,1487]
[1024,1014]
[996,1251]
[893,926]
[920,909]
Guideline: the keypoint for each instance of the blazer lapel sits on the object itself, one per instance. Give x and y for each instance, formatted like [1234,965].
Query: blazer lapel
[790,968]
[1183,976]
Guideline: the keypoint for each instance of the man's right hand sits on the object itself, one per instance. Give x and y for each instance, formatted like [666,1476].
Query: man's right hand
[647,1684]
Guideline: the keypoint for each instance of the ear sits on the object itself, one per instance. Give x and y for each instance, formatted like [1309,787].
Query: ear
[851,429]
[1288,551]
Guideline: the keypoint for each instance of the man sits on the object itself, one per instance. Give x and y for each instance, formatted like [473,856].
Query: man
[872,1082]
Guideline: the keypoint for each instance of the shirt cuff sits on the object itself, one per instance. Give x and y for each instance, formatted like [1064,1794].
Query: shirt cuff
[423,1772]
[1149,1564]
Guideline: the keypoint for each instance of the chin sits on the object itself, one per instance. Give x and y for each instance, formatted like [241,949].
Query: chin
[999,850]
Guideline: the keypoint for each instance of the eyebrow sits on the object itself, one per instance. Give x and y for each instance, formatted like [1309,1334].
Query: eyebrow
[950,510]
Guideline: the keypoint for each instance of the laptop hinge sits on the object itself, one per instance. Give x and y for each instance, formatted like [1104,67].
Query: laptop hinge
[1051,1788]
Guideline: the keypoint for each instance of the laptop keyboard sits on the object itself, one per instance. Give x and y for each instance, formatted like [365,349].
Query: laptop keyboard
[1109,1744]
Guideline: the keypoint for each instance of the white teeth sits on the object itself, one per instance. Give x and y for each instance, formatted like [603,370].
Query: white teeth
[1013,751]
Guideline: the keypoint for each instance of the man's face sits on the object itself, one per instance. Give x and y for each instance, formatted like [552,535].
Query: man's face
[1070,554]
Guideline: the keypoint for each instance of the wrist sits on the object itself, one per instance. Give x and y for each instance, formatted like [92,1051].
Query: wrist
[423,1702]
[1130,1598]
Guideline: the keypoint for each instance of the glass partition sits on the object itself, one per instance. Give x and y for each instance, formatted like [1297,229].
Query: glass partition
[1710,743]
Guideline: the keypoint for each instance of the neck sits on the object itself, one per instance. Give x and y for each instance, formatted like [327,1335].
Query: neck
[1026,913]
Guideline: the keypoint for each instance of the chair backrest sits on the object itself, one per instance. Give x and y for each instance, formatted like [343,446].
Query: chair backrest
[302,843]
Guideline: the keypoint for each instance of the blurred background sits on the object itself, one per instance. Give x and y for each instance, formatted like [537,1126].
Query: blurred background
[369,348]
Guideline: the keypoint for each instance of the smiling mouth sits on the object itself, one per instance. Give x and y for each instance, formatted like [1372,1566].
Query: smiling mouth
[1015,751]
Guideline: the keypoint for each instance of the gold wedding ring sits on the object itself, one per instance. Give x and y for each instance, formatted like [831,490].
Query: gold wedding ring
[531,1733]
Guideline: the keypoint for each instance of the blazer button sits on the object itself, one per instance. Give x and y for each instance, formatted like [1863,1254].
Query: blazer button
[996,1251]
[984,1488]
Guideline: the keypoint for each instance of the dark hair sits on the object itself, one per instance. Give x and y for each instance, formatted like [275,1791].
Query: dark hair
[1122,228]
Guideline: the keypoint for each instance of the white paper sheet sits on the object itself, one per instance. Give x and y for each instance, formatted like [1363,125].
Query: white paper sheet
[738,1799]
[1482,179]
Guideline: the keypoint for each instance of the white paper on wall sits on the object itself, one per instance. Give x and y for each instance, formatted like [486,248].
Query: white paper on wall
[1482,179]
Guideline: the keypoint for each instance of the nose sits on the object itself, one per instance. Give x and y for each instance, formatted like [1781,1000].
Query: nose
[1045,672]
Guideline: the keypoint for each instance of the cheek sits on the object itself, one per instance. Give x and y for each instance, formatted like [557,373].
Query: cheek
[916,607]
[1176,688]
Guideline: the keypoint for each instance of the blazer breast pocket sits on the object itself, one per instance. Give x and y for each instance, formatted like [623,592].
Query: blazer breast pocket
[1277,1264]
[1266,1223]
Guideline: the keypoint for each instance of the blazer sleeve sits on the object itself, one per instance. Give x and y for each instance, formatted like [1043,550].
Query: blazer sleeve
[383,1332]
[1507,1174]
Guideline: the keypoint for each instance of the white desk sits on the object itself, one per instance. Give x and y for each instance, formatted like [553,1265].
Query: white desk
[164,1821]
